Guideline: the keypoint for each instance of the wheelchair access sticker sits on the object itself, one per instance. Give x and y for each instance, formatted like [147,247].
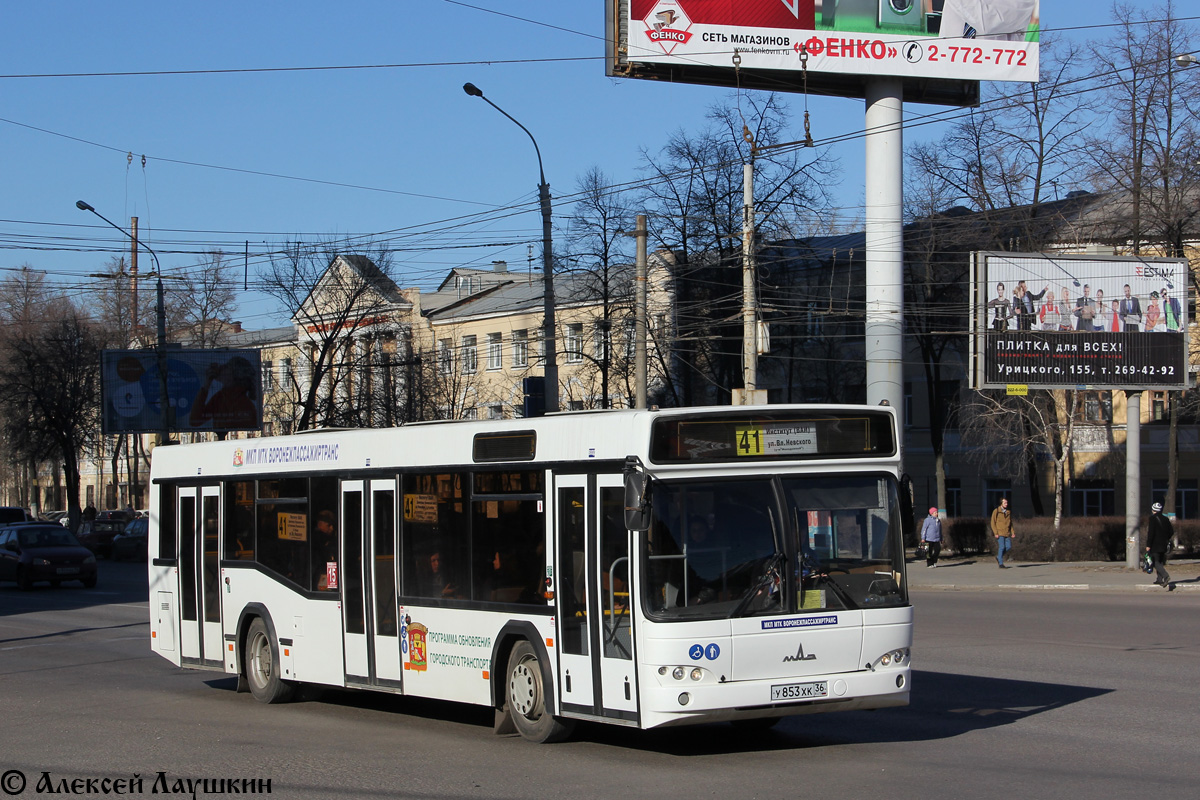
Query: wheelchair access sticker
[699,651]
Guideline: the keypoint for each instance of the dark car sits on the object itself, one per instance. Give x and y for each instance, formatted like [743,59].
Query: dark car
[11,514]
[43,551]
[99,536]
[131,542]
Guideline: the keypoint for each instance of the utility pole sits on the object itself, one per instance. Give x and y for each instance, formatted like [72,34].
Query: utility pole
[749,301]
[639,315]
[1133,473]
[133,276]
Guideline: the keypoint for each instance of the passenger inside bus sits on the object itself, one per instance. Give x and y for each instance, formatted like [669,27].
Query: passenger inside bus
[324,549]
[437,581]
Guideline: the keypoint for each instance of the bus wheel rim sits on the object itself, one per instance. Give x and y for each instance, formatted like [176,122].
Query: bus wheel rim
[524,689]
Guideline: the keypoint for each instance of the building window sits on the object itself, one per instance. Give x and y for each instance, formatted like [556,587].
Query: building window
[470,357]
[574,405]
[495,351]
[1160,408]
[470,412]
[995,489]
[520,348]
[445,356]
[1096,407]
[601,341]
[1092,498]
[268,373]
[630,339]
[954,497]
[495,411]
[285,373]
[574,343]
[1187,497]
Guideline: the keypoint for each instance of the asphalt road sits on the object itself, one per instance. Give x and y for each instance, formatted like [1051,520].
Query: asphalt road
[1031,694]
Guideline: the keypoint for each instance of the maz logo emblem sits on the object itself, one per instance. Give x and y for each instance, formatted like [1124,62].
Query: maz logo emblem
[800,656]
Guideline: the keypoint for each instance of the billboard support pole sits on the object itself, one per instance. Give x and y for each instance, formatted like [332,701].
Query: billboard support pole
[749,300]
[1133,476]
[884,242]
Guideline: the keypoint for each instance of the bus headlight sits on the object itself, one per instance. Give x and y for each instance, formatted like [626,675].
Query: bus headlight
[677,673]
[697,673]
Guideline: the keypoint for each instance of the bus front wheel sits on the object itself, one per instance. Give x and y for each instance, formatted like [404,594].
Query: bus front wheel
[527,698]
[263,668]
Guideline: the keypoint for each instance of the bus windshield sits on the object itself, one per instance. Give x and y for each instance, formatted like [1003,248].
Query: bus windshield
[720,548]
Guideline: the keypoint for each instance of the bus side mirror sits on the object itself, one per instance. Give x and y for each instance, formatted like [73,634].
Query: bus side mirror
[637,503]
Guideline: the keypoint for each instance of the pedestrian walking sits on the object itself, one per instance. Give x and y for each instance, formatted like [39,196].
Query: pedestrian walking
[931,535]
[1158,541]
[1002,529]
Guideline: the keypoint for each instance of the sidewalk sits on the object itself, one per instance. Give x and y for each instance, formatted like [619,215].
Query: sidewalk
[977,573]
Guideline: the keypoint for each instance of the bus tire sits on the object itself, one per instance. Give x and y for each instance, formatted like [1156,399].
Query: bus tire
[263,668]
[526,696]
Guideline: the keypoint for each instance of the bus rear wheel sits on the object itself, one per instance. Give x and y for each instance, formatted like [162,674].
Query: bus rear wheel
[262,667]
[527,698]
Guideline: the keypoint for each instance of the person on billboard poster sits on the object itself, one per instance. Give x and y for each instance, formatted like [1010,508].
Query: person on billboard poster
[1066,321]
[1000,309]
[998,20]
[226,399]
[1131,312]
[1027,305]
[1170,305]
[1049,314]
[1085,311]
[1101,322]
[1153,314]
[1114,318]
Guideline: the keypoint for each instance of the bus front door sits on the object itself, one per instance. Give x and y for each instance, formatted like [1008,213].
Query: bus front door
[368,584]
[198,527]
[595,622]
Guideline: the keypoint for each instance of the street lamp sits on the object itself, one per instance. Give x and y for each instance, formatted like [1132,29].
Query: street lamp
[160,347]
[1187,59]
[549,331]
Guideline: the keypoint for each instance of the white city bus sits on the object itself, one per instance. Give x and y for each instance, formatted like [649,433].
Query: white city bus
[643,568]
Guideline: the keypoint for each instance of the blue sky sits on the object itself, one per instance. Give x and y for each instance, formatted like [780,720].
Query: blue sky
[266,157]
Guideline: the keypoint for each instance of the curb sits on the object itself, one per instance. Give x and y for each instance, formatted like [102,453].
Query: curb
[1043,587]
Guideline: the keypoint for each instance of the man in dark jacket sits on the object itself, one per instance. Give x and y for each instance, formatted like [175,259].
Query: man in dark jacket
[1158,541]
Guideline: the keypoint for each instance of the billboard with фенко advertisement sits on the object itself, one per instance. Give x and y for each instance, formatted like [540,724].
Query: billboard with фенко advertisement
[937,47]
[208,390]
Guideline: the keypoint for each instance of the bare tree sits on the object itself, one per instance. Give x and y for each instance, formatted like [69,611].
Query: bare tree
[342,302]
[1012,431]
[599,264]
[201,301]
[695,204]
[50,388]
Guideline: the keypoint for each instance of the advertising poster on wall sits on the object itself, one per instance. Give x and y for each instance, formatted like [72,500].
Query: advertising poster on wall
[208,390]
[968,40]
[1078,321]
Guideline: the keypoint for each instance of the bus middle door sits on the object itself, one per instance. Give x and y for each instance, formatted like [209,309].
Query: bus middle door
[199,531]
[597,675]
[368,584]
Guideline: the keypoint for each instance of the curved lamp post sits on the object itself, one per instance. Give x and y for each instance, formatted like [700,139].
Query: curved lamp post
[160,347]
[549,330]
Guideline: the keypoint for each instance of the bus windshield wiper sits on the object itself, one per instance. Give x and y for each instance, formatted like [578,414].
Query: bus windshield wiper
[770,576]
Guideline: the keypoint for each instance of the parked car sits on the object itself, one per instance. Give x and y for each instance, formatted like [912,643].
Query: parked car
[10,514]
[55,516]
[131,542]
[98,538]
[44,551]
